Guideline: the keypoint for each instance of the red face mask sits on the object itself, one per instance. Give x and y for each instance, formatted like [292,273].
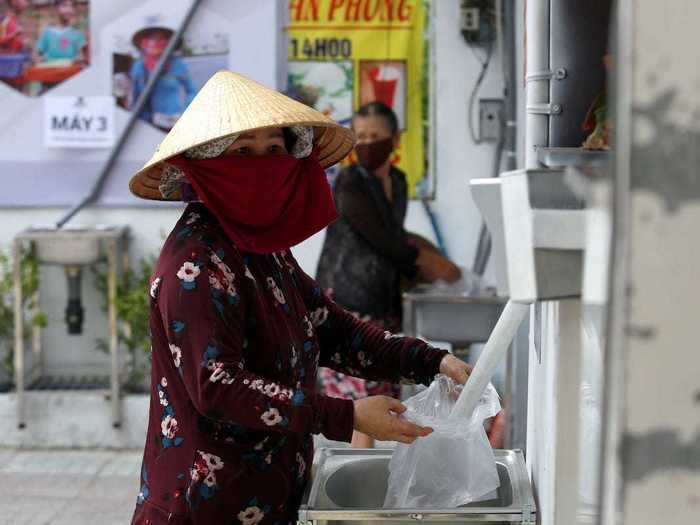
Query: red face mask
[264,203]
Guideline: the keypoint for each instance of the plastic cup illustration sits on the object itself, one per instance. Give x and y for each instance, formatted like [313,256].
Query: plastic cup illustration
[384,80]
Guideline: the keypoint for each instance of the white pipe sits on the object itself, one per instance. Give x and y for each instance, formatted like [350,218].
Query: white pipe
[537,89]
[495,349]
[499,37]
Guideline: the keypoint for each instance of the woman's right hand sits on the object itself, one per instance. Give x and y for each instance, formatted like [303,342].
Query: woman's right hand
[377,416]
[434,267]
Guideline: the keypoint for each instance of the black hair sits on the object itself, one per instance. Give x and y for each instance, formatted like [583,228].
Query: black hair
[290,139]
[382,110]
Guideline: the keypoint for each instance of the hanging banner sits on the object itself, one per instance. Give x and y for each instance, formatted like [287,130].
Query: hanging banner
[346,53]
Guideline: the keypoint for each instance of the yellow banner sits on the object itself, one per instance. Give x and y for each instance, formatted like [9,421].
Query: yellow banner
[345,53]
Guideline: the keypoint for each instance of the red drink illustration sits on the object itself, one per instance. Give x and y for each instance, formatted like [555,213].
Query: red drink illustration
[384,80]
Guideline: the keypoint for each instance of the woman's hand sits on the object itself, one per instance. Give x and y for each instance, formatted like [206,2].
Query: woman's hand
[455,369]
[433,267]
[376,416]
[421,243]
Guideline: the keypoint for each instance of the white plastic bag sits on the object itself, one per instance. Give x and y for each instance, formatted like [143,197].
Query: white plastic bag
[455,464]
[469,283]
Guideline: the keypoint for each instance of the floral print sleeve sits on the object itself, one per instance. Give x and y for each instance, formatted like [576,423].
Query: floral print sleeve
[360,349]
[204,310]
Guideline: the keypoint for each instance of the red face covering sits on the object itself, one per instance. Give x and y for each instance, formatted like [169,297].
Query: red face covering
[264,203]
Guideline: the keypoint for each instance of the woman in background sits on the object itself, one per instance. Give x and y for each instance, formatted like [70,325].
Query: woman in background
[367,251]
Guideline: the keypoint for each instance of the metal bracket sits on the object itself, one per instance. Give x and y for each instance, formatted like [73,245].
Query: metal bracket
[539,75]
[559,74]
[544,109]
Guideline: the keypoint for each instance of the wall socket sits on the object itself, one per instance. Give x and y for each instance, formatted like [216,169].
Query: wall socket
[469,17]
[490,119]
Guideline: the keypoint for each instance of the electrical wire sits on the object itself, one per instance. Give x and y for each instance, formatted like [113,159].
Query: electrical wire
[481,60]
[484,244]
[472,97]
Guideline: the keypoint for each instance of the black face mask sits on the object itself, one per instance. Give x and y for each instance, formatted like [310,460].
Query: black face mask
[371,156]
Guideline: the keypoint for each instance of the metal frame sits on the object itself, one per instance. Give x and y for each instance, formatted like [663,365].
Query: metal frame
[113,240]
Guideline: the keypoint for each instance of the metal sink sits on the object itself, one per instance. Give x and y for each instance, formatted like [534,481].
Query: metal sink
[457,319]
[349,486]
[363,484]
[69,246]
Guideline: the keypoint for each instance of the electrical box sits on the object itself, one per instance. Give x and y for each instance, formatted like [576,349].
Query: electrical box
[478,21]
[470,19]
[490,119]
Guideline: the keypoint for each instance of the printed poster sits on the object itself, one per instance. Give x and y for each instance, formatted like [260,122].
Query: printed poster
[346,53]
[136,43]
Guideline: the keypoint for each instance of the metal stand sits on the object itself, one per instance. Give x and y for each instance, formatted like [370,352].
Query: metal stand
[111,241]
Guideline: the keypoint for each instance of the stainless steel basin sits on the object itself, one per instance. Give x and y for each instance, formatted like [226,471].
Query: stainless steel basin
[363,484]
[349,486]
[457,319]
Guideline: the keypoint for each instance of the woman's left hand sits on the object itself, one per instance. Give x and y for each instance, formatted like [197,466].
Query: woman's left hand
[455,369]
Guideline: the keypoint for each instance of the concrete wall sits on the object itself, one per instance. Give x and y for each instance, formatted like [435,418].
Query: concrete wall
[652,466]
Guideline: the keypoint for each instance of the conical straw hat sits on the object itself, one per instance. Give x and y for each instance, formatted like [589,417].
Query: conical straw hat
[229,104]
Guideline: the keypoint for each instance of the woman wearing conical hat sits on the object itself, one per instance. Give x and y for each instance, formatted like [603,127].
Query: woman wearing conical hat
[239,330]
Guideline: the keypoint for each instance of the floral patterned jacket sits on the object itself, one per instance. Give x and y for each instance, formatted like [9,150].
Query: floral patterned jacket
[236,342]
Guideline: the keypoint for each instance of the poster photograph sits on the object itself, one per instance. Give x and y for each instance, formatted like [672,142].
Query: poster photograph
[42,43]
[137,46]
[325,86]
[384,81]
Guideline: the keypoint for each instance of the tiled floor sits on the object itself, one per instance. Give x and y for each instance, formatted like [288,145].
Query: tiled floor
[62,487]
[68,487]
